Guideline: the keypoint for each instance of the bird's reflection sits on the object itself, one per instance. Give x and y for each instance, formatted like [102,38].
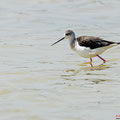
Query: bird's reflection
[84,67]
[98,67]
[89,74]
[86,70]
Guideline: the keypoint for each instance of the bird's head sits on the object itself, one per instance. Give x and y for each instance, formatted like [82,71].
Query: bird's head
[69,34]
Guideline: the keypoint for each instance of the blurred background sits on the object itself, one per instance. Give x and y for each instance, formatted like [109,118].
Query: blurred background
[40,82]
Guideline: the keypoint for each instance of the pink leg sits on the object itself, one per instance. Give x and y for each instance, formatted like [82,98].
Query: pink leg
[91,63]
[104,61]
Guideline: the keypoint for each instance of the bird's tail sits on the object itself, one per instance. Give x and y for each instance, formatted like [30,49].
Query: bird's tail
[118,43]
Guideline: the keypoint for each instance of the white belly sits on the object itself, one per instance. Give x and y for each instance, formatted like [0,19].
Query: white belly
[87,52]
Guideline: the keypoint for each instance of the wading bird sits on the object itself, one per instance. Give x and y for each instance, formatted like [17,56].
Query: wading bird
[87,46]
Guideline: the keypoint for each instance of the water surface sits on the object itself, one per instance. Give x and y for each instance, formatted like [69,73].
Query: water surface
[40,82]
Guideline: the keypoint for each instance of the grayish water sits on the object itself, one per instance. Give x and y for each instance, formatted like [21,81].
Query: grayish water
[40,82]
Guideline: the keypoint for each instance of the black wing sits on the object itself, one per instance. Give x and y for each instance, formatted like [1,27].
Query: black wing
[93,42]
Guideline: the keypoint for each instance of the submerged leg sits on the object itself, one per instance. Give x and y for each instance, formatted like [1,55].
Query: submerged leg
[104,61]
[91,63]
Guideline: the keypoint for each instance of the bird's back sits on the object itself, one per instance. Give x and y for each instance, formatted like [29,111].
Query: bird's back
[93,42]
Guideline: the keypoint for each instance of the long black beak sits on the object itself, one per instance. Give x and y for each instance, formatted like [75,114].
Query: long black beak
[58,41]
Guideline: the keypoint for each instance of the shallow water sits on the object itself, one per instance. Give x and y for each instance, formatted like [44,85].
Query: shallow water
[40,82]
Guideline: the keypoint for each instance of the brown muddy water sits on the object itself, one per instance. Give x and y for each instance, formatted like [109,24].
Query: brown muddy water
[40,82]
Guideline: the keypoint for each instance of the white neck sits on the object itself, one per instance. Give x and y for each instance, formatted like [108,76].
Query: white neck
[72,42]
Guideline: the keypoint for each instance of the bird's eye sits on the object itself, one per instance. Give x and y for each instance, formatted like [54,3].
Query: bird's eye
[67,34]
